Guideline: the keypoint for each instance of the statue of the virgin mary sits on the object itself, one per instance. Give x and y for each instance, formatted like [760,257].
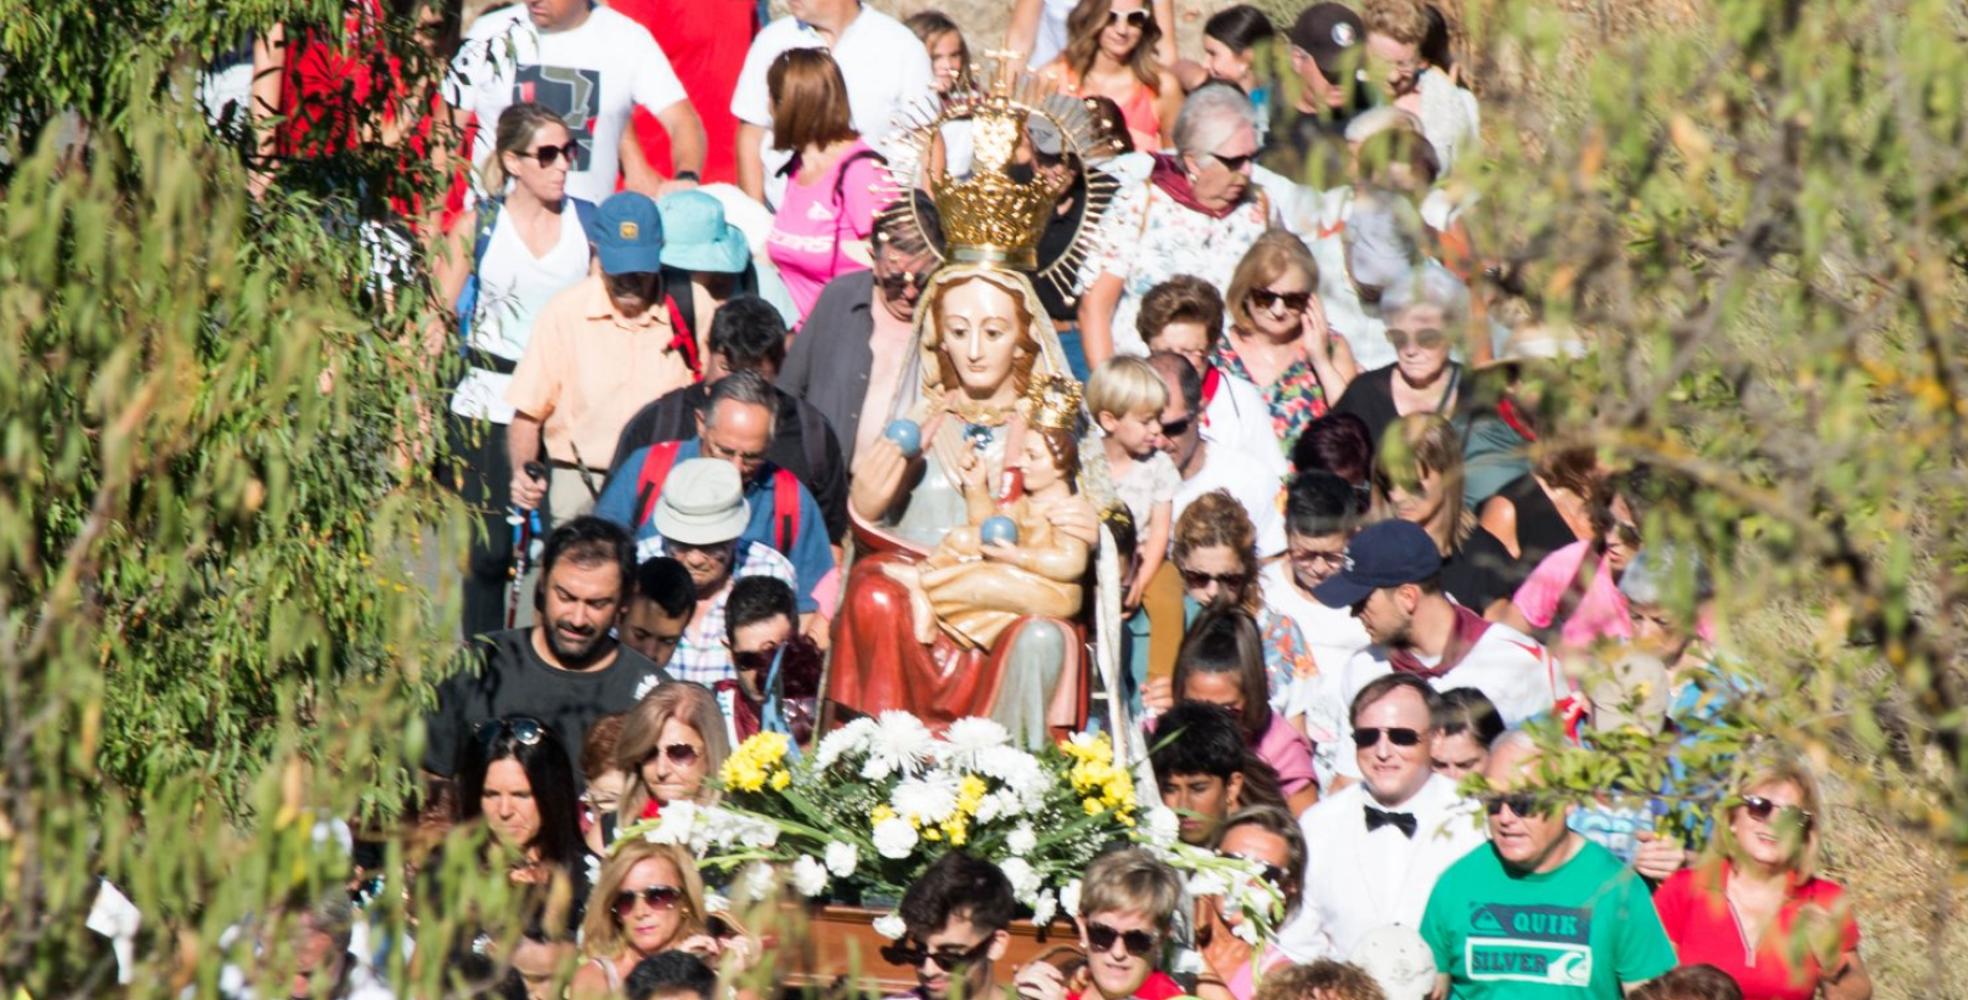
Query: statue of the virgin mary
[948,614]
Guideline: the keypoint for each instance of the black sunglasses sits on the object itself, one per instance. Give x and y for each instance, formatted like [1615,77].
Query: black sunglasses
[1135,18]
[680,754]
[1102,938]
[947,959]
[894,283]
[659,897]
[1427,340]
[1197,580]
[1176,428]
[548,154]
[523,730]
[1762,809]
[1235,164]
[1270,872]
[1524,804]
[1370,736]
[1294,301]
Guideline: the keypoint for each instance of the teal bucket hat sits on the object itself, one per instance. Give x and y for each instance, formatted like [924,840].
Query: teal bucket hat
[696,237]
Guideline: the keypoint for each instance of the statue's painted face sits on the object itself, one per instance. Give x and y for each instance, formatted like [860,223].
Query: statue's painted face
[981,332]
[1035,462]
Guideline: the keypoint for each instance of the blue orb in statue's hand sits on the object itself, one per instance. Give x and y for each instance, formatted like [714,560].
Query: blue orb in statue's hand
[999,529]
[906,435]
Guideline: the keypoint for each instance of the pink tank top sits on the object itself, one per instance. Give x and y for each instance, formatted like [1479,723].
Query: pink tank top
[1138,112]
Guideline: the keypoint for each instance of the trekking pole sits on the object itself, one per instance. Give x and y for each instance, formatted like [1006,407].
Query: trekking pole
[525,535]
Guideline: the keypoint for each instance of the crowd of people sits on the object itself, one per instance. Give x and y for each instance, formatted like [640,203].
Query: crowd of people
[1360,583]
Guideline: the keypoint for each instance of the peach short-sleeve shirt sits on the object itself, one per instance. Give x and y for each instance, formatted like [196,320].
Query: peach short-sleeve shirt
[587,369]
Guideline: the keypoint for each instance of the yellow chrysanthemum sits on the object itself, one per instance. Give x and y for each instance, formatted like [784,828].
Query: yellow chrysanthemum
[882,813]
[756,761]
[970,794]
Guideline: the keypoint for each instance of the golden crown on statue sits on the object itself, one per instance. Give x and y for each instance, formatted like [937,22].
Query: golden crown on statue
[997,211]
[1052,401]
[989,217]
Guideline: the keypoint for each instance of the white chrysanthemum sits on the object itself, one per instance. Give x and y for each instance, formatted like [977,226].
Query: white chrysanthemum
[848,739]
[1001,804]
[1022,840]
[842,858]
[926,800]
[895,839]
[899,745]
[891,926]
[755,833]
[1044,910]
[1161,826]
[1024,879]
[756,881]
[1069,898]
[809,876]
[716,903]
[967,739]
[675,826]
[1207,883]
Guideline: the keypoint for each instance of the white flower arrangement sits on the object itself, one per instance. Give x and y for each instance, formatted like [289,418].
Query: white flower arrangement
[880,799]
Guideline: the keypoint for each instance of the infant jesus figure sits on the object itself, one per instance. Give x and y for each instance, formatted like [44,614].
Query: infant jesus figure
[973,588]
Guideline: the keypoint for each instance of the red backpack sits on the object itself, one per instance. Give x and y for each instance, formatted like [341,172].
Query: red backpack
[785,493]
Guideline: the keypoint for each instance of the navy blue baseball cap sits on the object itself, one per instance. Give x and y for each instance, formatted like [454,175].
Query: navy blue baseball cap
[1387,554]
[627,232]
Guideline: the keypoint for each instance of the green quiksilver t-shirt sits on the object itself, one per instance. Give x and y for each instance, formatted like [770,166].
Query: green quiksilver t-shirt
[1576,932]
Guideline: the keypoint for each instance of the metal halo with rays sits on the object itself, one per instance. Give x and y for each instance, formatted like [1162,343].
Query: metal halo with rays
[917,127]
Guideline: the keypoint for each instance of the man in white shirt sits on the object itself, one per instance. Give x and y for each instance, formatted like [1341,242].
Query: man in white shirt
[1391,580]
[1381,843]
[885,66]
[594,67]
[1204,466]
[1321,513]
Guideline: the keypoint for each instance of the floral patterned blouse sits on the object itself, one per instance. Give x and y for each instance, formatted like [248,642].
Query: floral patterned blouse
[1296,399]
[1147,238]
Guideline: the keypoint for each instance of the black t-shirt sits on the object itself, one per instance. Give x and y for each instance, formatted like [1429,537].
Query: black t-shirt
[1370,396]
[516,681]
[1478,574]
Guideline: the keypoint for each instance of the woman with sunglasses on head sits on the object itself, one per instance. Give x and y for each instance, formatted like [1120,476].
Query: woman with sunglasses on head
[517,778]
[1747,910]
[1110,52]
[1426,312]
[501,264]
[1215,553]
[1278,338]
[671,742]
[1221,663]
[649,899]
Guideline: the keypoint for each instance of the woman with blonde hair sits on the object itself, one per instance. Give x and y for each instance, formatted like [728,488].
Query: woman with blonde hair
[497,268]
[1110,52]
[1748,909]
[1418,478]
[672,740]
[1278,338]
[648,899]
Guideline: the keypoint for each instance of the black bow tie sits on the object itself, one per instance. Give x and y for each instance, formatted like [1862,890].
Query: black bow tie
[1404,822]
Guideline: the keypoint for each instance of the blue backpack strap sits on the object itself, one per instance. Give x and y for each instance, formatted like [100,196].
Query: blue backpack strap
[584,211]
[484,222]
